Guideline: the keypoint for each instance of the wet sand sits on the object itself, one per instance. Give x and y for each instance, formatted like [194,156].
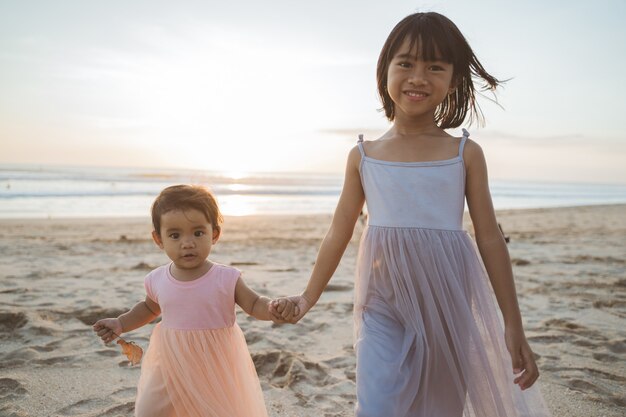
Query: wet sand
[59,276]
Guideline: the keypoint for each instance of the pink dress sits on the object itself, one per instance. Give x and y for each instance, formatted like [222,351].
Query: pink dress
[429,342]
[197,363]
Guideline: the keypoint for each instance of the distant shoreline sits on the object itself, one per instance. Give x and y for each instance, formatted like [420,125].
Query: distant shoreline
[277,216]
[112,193]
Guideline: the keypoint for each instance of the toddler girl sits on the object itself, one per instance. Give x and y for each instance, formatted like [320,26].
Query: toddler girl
[197,363]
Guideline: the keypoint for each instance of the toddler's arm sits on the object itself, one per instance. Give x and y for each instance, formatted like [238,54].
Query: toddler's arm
[141,314]
[257,305]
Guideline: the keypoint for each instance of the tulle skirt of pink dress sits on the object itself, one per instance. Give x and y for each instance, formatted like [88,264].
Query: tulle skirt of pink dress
[429,340]
[198,373]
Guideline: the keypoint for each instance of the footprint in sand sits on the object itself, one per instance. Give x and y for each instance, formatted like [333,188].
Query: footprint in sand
[83,406]
[286,369]
[10,389]
[617,346]
[598,393]
[605,357]
[18,357]
[9,322]
[549,338]
[125,409]
[125,393]
[54,360]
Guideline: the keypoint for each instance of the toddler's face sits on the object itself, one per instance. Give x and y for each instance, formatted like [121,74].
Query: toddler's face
[187,238]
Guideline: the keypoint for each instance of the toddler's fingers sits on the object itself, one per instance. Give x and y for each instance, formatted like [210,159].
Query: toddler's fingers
[275,316]
[103,331]
[277,319]
[287,311]
[281,305]
[106,338]
[274,307]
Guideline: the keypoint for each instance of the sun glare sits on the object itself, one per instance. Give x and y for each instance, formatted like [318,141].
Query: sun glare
[236,175]
[236,205]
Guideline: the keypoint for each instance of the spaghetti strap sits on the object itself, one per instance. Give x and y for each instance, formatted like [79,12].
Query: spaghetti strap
[360,144]
[462,144]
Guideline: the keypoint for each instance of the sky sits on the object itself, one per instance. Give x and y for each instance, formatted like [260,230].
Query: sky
[285,86]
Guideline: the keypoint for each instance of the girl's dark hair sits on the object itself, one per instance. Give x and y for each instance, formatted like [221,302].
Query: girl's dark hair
[186,197]
[437,39]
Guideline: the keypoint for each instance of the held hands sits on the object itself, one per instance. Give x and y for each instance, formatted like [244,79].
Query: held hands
[524,366]
[289,309]
[108,329]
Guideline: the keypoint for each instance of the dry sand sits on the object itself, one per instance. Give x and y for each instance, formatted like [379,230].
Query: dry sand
[59,276]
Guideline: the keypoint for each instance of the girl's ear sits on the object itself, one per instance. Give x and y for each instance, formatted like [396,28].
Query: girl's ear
[157,239]
[217,231]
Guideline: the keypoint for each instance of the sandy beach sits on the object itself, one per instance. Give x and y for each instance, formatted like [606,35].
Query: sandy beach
[59,276]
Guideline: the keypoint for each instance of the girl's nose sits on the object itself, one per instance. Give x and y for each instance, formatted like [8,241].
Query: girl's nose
[417,77]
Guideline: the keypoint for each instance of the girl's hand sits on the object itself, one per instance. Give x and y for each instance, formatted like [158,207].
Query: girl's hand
[282,310]
[108,329]
[281,314]
[522,357]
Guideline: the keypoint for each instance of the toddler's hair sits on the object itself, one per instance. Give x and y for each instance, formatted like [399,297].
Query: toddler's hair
[436,38]
[186,197]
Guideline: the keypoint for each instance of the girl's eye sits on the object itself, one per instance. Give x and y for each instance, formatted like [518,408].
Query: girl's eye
[436,68]
[199,233]
[404,64]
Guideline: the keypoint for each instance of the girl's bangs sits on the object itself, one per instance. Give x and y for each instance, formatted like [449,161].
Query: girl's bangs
[431,42]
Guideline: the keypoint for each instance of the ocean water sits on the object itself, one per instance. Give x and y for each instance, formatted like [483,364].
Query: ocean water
[62,192]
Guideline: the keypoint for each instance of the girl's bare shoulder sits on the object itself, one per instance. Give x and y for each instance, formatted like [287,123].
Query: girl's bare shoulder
[473,153]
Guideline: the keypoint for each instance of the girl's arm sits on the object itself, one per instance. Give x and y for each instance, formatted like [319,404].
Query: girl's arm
[141,314]
[257,305]
[489,239]
[495,256]
[336,240]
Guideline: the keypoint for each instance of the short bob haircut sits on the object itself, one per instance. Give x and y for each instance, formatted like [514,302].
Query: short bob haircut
[437,38]
[186,197]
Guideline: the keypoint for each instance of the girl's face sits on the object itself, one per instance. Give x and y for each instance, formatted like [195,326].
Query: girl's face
[187,238]
[416,86]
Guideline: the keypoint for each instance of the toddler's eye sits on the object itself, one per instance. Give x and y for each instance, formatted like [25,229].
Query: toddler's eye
[199,233]
[174,235]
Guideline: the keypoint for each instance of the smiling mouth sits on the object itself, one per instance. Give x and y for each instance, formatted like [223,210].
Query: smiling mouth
[416,94]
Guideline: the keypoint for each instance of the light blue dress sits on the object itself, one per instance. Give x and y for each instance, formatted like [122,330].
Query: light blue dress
[429,341]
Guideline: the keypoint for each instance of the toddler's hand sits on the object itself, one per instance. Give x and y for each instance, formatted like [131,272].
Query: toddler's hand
[300,307]
[282,310]
[108,329]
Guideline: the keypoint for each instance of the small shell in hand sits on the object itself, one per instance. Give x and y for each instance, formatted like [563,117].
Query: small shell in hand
[131,350]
